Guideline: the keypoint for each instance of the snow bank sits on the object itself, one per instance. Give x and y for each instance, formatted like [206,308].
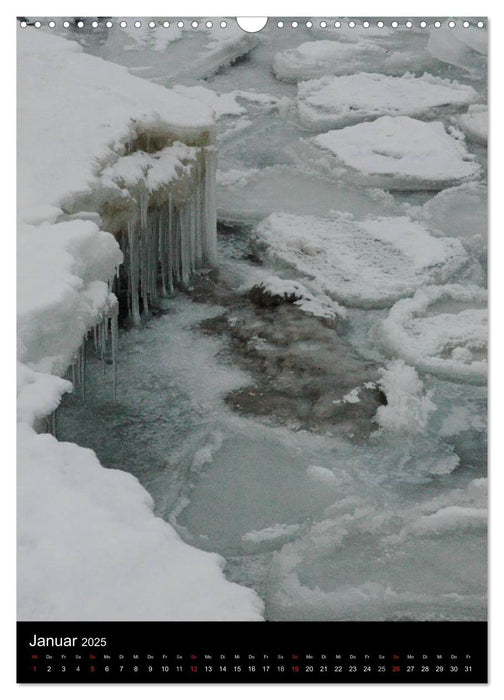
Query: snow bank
[334,102]
[90,547]
[100,149]
[474,123]
[315,59]
[408,406]
[441,330]
[366,264]
[398,153]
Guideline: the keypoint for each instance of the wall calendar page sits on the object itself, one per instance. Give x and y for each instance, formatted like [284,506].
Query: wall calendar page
[252,350]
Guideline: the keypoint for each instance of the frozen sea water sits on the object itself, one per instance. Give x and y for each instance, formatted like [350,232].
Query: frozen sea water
[387,526]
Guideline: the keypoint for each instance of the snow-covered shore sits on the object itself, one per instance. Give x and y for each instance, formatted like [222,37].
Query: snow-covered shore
[90,546]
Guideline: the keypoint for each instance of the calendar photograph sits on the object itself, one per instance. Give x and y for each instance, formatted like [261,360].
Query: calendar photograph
[252,335]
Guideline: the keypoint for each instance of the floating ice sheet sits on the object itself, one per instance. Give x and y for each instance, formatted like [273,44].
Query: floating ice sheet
[333,102]
[359,263]
[247,196]
[441,330]
[474,123]
[314,59]
[396,153]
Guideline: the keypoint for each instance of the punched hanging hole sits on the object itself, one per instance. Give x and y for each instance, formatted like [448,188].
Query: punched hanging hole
[481,24]
[152,24]
[23,25]
[294,24]
[38,24]
[180,24]
[395,24]
[223,24]
[166,24]
[365,24]
[94,24]
[309,24]
[451,24]
[209,24]
[351,24]
[380,24]
[280,25]
[138,24]
[80,24]
[109,24]
[66,24]
[194,24]
[252,24]
[466,24]
[437,24]
[123,24]
[408,24]
[423,24]
[323,24]
[52,24]
[337,24]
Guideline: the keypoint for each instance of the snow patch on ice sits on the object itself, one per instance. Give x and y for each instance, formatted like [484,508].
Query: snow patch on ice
[358,263]
[333,102]
[398,153]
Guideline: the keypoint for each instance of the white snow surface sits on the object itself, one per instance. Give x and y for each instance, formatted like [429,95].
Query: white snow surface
[89,545]
[442,330]
[366,264]
[399,153]
[333,102]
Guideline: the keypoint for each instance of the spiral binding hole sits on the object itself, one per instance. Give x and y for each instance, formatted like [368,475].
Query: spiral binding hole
[423,24]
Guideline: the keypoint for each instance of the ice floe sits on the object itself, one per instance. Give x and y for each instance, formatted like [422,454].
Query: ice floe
[333,102]
[366,264]
[247,196]
[474,123]
[465,47]
[460,212]
[396,153]
[314,59]
[442,330]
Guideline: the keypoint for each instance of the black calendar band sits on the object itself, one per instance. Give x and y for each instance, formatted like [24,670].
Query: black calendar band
[252,652]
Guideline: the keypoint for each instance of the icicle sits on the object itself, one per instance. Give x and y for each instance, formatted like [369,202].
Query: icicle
[210,221]
[74,379]
[83,371]
[114,332]
[95,340]
[171,242]
[133,274]
[144,201]
[102,344]
[54,423]
[162,249]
